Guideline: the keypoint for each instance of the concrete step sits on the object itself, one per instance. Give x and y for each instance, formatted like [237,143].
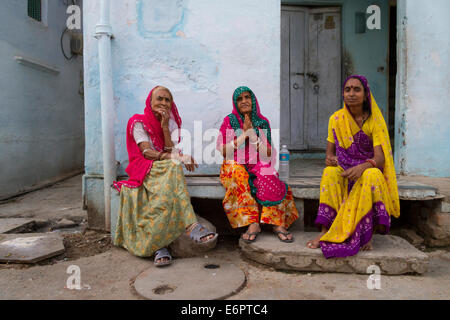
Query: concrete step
[393,255]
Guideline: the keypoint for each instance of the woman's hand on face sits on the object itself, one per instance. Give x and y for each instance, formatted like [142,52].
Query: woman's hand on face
[165,116]
[188,162]
[331,161]
[354,173]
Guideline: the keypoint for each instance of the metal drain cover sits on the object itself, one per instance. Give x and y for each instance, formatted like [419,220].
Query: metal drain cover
[191,279]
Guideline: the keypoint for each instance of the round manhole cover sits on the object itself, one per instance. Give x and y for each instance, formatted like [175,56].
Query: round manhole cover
[192,278]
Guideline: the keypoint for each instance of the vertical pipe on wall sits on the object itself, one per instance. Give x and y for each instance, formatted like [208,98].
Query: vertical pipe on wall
[103,32]
[401,88]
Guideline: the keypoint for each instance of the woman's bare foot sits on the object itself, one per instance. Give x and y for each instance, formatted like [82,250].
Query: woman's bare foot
[253,228]
[367,247]
[315,244]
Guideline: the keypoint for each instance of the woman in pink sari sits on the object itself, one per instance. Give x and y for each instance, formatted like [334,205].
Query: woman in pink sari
[155,208]
[254,194]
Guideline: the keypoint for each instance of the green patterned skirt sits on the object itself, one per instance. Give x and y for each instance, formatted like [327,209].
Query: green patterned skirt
[155,214]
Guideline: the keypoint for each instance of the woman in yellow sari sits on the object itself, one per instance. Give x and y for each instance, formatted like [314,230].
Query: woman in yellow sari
[358,191]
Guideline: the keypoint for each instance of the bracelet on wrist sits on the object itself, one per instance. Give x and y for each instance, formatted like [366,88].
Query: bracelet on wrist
[372,162]
[145,150]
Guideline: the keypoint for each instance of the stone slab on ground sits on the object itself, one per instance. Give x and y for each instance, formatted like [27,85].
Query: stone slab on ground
[15,225]
[392,254]
[64,223]
[191,279]
[185,247]
[29,247]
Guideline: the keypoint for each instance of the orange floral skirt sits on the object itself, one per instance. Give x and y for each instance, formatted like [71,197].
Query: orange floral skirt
[242,209]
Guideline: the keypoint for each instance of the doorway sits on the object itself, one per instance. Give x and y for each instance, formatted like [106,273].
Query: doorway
[310,74]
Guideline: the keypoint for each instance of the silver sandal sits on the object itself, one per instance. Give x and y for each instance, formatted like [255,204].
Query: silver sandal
[160,254]
[199,231]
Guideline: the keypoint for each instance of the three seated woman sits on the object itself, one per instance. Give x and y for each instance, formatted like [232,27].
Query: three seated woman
[358,191]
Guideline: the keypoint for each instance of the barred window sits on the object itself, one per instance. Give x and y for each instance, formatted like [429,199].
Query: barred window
[34,9]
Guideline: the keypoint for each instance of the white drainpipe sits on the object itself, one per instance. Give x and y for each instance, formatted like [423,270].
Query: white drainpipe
[103,32]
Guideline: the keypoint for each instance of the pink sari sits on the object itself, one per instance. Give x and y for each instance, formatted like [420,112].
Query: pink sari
[139,166]
[266,187]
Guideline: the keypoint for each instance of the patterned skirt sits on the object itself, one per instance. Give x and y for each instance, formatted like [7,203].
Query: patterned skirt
[242,209]
[352,212]
[155,214]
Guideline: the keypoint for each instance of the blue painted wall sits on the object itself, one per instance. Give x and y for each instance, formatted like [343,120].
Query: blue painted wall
[41,114]
[423,109]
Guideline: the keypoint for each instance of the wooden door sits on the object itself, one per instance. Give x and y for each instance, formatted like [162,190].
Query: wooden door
[310,74]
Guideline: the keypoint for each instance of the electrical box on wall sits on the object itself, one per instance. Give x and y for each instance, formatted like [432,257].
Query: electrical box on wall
[76,43]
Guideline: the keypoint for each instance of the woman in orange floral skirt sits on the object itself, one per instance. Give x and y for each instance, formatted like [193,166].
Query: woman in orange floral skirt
[254,193]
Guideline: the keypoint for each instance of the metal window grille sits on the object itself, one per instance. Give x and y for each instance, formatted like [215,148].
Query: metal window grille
[34,9]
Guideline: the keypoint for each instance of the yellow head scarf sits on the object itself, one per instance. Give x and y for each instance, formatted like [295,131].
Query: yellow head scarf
[345,128]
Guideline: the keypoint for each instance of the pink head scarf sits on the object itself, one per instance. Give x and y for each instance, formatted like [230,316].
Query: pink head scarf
[139,166]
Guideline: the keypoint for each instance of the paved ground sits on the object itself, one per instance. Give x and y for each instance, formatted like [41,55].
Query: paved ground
[109,275]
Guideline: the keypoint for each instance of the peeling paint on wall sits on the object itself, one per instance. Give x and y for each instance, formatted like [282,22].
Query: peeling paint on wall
[160,19]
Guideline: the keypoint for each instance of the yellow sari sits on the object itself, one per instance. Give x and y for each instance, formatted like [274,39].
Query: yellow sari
[351,210]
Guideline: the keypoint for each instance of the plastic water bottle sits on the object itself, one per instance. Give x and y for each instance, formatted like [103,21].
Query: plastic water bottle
[284,164]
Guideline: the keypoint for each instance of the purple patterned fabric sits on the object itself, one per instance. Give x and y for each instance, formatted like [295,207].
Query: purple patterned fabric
[362,234]
[325,216]
[360,150]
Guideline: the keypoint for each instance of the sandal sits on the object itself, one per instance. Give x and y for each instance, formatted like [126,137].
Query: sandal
[287,240]
[199,232]
[249,235]
[160,254]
